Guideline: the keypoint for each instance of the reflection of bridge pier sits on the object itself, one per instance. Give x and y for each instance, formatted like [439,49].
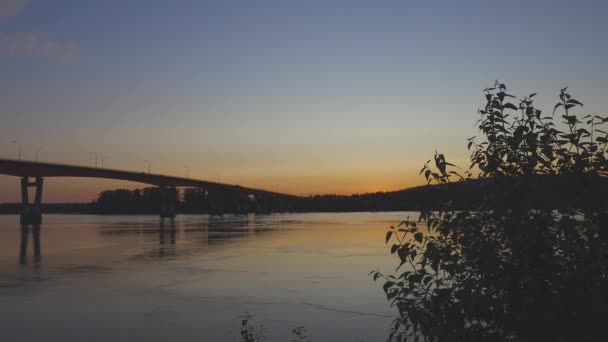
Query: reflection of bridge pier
[25,229]
[162,243]
[31,213]
[167,206]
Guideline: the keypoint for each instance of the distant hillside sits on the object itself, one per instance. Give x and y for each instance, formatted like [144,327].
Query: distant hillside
[546,191]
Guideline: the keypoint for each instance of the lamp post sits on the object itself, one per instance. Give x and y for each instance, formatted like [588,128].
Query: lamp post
[149,165]
[38,150]
[18,143]
[102,159]
[187,172]
[95,153]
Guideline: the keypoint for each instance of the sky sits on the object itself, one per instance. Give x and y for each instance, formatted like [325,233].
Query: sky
[302,97]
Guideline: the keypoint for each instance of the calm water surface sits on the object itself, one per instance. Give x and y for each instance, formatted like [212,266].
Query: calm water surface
[135,278]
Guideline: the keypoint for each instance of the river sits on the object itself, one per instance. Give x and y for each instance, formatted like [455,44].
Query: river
[137,278]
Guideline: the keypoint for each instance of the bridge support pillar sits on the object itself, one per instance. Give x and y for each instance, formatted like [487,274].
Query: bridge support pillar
[167,205]
[31,213]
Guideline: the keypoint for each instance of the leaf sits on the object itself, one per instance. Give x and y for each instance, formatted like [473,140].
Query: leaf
[403,253]
[388,285]
[388,235]
[570,118]
[582,131]
[455,173]
[601,118]
[418,237]
[557,106]
[394,248]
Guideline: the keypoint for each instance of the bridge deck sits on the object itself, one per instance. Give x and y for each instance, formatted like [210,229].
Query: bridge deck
[20,168]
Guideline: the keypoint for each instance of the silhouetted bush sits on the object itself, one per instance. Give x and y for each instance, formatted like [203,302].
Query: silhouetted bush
[515,268]
[123,201]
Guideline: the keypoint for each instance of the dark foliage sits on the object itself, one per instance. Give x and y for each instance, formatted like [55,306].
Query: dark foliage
[521,266]
[124,201]
[49,208]
[189,200]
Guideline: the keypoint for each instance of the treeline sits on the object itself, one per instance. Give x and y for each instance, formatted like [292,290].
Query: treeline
[549,191]
[50,208]
[124,201]
[545,192]
[197,201]
[187,200]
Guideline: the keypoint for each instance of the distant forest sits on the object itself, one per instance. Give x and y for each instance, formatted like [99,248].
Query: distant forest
[553,192]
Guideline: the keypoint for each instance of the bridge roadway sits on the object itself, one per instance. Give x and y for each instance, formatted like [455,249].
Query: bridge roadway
[39,170]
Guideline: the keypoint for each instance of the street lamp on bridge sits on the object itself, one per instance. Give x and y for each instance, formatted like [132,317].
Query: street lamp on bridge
[95,153]
[18,143]
[36,157]
[102,159]
[149,165]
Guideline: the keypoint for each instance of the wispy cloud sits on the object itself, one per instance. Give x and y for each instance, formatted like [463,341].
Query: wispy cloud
[10,8]
[33,44]
[36,44]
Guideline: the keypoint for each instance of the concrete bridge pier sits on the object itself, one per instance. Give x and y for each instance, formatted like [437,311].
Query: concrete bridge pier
[31,213]
[167,206]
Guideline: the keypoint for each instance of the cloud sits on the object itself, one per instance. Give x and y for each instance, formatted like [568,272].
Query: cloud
[35,44]
[10,8]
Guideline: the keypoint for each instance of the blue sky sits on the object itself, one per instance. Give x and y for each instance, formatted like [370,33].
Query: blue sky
[295,96]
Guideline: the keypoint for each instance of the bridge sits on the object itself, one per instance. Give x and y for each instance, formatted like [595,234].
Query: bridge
[32,174]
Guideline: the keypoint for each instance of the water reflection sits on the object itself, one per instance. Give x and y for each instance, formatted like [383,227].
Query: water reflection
[193,276]
[73,248]
[171,238]
[25,232]
[162,232]
[26,272]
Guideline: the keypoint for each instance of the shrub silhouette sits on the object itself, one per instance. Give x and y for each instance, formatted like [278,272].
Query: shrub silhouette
[512,269]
